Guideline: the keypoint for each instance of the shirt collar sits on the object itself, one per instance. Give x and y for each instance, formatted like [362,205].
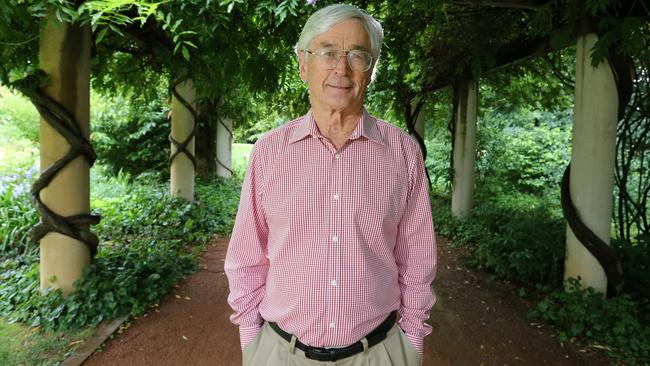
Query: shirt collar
[367,127]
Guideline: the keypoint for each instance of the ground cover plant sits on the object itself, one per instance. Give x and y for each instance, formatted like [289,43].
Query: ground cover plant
[149,241]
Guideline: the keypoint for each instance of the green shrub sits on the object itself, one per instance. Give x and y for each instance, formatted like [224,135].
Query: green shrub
[131,135]
[616,324]
[635,260]
[437,162]
[527,151]
[516,236]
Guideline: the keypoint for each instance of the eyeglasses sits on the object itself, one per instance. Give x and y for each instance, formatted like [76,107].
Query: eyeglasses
[328,59]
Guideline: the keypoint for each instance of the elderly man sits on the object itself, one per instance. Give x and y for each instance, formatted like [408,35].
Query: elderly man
[333,241]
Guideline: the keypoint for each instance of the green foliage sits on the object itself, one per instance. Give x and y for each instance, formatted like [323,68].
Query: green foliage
[620,325]
[147,211]
[17,215]
[20,26]
[517,237]
[252,131]
[438,161]
[524,237]
[542,84]
[130,134]
[149,242]
[126,279]
[635,260]
[524,150]
[620,30]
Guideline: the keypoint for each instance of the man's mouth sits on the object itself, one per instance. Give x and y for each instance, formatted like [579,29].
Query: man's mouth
[340,87]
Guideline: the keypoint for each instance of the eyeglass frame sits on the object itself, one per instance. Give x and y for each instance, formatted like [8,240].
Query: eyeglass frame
[340,54]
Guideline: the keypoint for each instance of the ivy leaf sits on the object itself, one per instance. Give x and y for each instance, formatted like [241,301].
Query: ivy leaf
[101,35]
[186,53]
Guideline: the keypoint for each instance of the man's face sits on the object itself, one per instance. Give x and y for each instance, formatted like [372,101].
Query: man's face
[339,89]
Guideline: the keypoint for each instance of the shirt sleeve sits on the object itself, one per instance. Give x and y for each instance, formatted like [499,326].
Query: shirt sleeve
[246,264]
[415,254]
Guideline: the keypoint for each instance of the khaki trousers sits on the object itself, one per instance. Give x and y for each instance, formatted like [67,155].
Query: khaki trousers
[269,349]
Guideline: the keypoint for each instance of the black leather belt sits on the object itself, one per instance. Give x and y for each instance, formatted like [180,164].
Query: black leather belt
[333,354]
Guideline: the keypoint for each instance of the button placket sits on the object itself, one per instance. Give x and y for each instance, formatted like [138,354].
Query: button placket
[336,239]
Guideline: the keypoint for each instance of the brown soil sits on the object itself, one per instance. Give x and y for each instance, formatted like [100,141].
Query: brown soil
[477,321]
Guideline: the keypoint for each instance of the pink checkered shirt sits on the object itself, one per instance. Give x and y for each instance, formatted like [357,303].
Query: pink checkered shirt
[327,243]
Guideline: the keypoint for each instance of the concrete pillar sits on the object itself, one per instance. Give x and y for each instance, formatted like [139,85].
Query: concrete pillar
[182,170]
[64,54]
[592,161]
[224,148]
[420,121]
[462,199]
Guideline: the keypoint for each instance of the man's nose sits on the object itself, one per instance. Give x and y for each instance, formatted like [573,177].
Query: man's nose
[342,66]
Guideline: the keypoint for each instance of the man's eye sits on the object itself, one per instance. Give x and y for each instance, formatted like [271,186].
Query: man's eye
[329,53]
[359,55]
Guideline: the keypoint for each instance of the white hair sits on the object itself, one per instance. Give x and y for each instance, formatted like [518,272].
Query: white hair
[325,18]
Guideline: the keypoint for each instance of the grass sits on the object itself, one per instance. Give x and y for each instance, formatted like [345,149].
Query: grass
[240,154]
[19,125]
[22,345]
[18,117]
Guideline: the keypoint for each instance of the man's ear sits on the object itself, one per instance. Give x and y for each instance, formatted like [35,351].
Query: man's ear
[302,65]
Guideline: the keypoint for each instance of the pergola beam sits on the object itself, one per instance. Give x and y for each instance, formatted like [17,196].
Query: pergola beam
[514,4]
[513,53]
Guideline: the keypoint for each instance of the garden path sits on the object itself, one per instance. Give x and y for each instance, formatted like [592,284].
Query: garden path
[477,321]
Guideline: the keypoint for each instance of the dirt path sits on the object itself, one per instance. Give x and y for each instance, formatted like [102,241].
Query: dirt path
[476,321]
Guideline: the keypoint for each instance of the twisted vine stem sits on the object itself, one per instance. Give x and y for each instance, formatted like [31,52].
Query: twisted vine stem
[181,147]
[604,254]
[57,116]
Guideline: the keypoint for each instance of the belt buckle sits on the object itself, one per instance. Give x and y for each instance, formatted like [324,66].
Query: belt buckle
[316,353]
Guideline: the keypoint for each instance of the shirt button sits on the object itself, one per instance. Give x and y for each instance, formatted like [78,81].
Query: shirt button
[337,156]
[332,325]
[336,196]
[335,239]
[333,283]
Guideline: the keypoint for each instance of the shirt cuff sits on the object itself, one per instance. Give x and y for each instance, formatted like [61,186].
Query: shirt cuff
[247,333]
[418,344]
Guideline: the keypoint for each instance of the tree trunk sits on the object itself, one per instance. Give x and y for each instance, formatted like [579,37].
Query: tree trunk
[592,161]
[65,55]
[182,163]
[464,154]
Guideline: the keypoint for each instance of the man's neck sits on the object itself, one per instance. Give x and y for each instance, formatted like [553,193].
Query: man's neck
[335,124]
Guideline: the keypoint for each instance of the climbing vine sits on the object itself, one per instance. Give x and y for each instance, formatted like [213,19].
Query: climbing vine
[61,120]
